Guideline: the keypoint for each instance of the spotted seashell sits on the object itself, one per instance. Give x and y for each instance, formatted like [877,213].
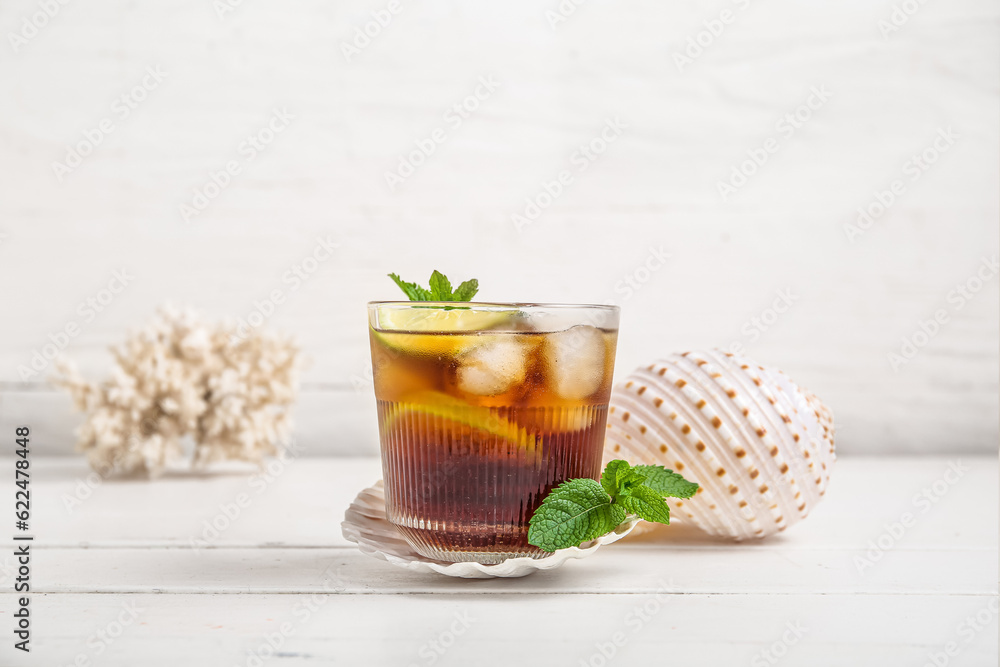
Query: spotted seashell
[760,446]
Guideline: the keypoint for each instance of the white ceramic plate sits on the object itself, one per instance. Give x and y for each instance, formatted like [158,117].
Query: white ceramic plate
[365,524]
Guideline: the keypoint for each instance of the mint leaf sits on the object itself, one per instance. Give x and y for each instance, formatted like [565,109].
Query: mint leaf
[667,482]
[583,509]
[574,512]
[647,504]
[613,475]
[466,290]
[413,291]
[440,287]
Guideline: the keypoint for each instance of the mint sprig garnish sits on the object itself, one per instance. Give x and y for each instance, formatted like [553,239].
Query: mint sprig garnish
[440,289]
[583,509]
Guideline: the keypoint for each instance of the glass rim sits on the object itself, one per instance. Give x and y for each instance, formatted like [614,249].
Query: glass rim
[505,305]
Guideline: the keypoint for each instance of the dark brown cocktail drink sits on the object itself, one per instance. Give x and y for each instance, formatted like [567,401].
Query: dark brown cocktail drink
[483,409]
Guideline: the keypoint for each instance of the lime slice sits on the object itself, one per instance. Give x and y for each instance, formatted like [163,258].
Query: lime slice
[413,330]
[438,319]
[437,404]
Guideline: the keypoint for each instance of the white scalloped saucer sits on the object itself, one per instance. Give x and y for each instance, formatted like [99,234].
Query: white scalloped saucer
[365,524]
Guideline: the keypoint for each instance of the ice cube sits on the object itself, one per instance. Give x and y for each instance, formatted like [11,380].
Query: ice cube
[493,368]
[574,361]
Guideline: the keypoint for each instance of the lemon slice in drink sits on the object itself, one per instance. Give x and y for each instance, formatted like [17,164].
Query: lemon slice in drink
[435,331]
[431,403]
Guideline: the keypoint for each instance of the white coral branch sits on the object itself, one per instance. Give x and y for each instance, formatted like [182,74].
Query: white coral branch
[182,377]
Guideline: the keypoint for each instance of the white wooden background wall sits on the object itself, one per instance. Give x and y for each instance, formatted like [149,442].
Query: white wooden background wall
[655,187]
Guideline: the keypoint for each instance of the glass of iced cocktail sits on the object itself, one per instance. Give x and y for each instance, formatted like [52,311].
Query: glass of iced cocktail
[483,409]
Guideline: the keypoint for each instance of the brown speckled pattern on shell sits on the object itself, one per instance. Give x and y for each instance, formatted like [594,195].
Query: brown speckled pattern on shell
[760,446]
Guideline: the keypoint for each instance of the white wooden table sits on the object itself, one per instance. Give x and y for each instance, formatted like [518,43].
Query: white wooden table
[116,580]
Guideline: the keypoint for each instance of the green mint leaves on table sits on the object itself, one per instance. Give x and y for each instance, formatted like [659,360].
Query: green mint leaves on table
[583,509]
[440,289]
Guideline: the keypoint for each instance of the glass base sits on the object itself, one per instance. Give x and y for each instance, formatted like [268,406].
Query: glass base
[458,548]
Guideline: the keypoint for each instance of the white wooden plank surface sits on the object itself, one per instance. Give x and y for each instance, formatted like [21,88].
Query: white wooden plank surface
[222,630]
[627,568]
[655,186]
[283,568]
